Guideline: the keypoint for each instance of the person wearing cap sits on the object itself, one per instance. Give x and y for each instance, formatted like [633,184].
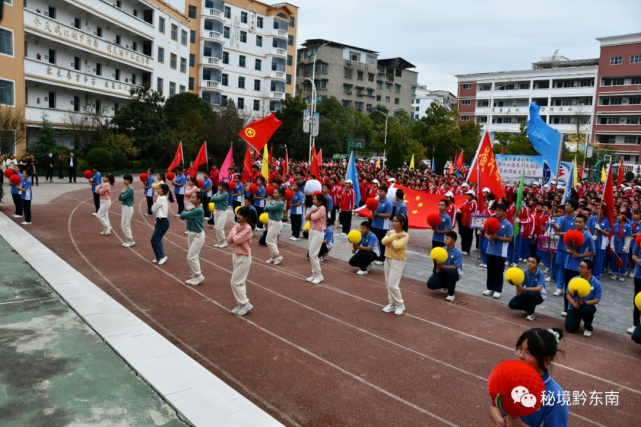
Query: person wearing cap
[381,220]
[470,207]
[347,203]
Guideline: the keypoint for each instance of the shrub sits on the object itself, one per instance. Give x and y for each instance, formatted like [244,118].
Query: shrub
[119,160]
[101,157]
[629,176]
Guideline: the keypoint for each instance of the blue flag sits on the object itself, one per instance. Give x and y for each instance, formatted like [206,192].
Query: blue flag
[569,185]
[352,174]
[544,139]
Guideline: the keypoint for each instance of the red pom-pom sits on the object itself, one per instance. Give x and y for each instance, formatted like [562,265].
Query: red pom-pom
[573,239]
[144,177]
[253,189]
[315,193]
[15,179]
[170,176]
[289,195]
[8,173]
[270,191]
[434,220]
[492,225]
[371,204]
[199,183]
[88,174]
[516,388]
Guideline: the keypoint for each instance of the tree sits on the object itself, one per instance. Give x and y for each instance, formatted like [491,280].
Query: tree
[89,124]
[13,128]
[46,134]
[292,118]
[120,142]
[101,157]
[181,105]
[225,133]
[395,158]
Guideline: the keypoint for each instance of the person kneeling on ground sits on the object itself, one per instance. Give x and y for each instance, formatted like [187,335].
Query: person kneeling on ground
[531,292]
[448,273]
[366,251]
[326,246]
[583,308]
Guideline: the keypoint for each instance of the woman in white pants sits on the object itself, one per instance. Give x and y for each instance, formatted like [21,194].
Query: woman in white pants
[396,242]
[221,200]
[317,216]
[274,210]
[104,190]
[195,216]
[241,237]
[126,197]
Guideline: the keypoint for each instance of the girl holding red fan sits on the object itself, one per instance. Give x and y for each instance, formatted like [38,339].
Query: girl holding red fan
[104,192]
[537,347]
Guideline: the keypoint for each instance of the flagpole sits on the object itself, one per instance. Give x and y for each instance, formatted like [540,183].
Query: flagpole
[601,204]
[518,212]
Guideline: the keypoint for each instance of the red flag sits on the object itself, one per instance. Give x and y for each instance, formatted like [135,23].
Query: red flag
[490,175]
[618,261]
[247,166]
[620,174]
[201,159]
[501,151]
[608,199]
[286,167]
[320,156]
[177,158]
[455,159]
[271,149]
[257,133]
[459,163]
[581,171]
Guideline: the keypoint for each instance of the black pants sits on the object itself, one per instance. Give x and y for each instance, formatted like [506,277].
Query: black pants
[331,216]
[478,238]
[636,335]
[526,301]
[259,225]
[322,252]
[34,178]
[467,235]
[206,207]
[444,279]
[180,199]
[574,318]
[380,234]
[296,223]
[346,221]
[636,313]
[72,173]
[96,200]
[49,173]
[26,206]
[60,172]
[569,275]
[17,201]
[150,202]
[362,259]
[436,245]
[495,267]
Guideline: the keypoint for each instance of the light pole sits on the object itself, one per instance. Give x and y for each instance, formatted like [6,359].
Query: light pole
[313,106]
[385,142]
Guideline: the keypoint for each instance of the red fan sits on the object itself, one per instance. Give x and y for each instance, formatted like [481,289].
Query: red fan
[618,261]
[270,191]
[144,177]
[492,225]
[88,174]
[253,189]
[433,220]
[638,240]
[15,179]
[573,239]
[289,195]
[170,176]
[8,173]
[315,193]
[372,204]
[516,388]
[199,183]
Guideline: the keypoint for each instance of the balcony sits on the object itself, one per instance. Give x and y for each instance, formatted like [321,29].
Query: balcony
[56,116]
[279,95]
[210,60]
[213,35]
[215,13]
[277,75]
[279,52]
[280,33]
[212,84]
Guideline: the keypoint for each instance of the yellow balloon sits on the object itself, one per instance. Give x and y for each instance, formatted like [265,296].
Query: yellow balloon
[236,210]
[354,237]
[306,228]
[514,276]
[637,300]
[439,255]
[264,218]
[212,206]
[579,287]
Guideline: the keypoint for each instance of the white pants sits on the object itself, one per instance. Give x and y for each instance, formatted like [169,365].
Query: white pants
[273,228]
[103,213]
[125,222]
[220,217]
[315,242]
[393,274]
[239,277]
[195,242]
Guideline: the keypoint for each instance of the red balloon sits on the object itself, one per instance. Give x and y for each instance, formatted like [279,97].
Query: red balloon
[573,239]
[372,204]
[144,177]
[289,195]
[253,189]
[270,191]
[433,220]
[88,174]
[15,179]
[199,183]
[170,176]
[516,379]
[492,225]
[8,173]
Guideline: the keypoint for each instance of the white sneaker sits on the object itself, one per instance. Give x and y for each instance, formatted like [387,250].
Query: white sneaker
[465,253]
[244,309]
[443,290]
[343,234]
[278,260]
[399,310]
[515,264]
[361,272]
[103,232]
[131,244]
[631,330]
[162,260]
[587,333]
[95,214]
[148,214]
[497,295]
[475,250]
[558,292]
[223,245]
[270,261]
[235,310]
[108,232]
[28,223]
[546,271]
[318,279]
[311,279]
[378,262]
[217,245]
[621,279]
[294,238]
[488,292]
[197,280]
[547,279]
[564,313]
[16,216]
[450,298]
[321,258]
[389,308]
[126,244]
[481,265]
[507,263]
[530,318]
[614,277]
[155,261]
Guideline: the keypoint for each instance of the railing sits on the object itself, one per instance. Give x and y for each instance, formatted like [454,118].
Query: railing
[213,35]
[212,84]
[210,60]
[278,74]
[281,33]
[54,115]
[282,52]
[215,12]
[278,95]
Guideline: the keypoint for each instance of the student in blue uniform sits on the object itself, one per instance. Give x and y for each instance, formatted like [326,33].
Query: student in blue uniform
[94,182]
[621,231]
[636,230]
[16,194]
[438,236]
[237,190]
[451,271]
[179,183]
[532,291]
[561,226]
[401,208]
[26,196]
[149,191]
[330,203]
[583,309]
[603,229]
[252,219]
[576,255]
[537,347]
[366,251]
[296,213]
[259,200]
[207,192]
[497,249]
[635,330]
[382,221]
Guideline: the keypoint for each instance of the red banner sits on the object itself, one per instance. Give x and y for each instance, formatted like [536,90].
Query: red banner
[257,133]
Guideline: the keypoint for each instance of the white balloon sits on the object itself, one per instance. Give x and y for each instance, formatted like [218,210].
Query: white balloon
[312,186]
[391,195]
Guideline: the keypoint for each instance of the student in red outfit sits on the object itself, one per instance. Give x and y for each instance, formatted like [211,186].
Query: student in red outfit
[348,199]
[470,207]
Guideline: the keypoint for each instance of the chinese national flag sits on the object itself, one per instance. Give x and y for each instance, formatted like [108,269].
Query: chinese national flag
[271,149]
[581,171]
[177,158]
[247,166]
[314,166]
[620,174]
[459,163]
[608,199]
[258,133]
[201,159]
[490,176]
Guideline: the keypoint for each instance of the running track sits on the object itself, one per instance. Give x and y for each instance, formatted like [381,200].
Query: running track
[325,355]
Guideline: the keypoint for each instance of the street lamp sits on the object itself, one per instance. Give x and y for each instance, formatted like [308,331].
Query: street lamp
[385,142]
[313,106]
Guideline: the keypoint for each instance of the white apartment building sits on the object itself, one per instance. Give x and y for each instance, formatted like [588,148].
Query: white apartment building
[500,101]
[425,98]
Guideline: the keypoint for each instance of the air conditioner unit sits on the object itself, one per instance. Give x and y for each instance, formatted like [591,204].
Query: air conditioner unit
[349,61]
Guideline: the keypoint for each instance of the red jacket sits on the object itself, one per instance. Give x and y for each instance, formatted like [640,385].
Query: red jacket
[215,177]
[348,199]
[466,212]
[451,212]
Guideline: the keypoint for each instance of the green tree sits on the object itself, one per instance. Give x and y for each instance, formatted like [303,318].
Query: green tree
[395,157]
[101,157]
[224,133]
[46,142]
[178,107]
[120,142]
[292,118]
[119,160]
[46,134]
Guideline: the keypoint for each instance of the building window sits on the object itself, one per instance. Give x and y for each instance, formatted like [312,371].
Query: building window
[635,59]
[77,22]
[243,17]
[192,60]
[378,98]
[256,105]
[193,12]
[613,82]
[182,88]
[76,63]
[347,89]
[227,12]
[52,11]
[288,79]
[117,74]
[360,75]
[397,101]
[6,92]
[226,32]
[257,85]
[259,41]
[134,46]
[241,103]
[616,60]
[174,32]
[258,65]
[466,102]
[99,32]
[173,61]
[192,83]
[259,22]
[52,100]
[118,4]
[225,57]
[243,36]
[292,21]
[370,77]
[117,39]
[183,65]
[346,103]
[379,85]
[387,99]
[241,61]
[225,80]
[465,118]
[388,86]
[98,106]
[290,40]
[159,85]
[135,13]
[290,60]
[241,82]
[397,88]
[99,69]
[6,42]
[172,88]
[183,37]
[161,55]
[76,103]
[634,81]
[192,37]
[161,24]
[634,101]
[133,79]
[467,86]
[417,109]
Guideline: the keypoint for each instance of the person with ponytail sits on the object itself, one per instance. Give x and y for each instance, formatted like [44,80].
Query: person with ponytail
[537,347]
[241,236]
[195,217]
[317,216]
[396,242]
[274,211]
[126,197]
[161,209]
[104,192]
[221,201]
